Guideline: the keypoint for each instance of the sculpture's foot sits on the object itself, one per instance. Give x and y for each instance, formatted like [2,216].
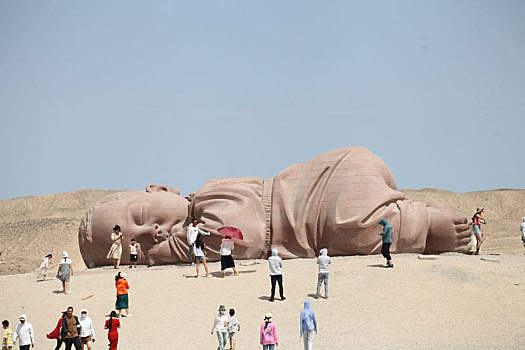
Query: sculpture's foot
[447,232]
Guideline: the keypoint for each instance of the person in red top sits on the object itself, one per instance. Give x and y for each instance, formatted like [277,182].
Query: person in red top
[477,220]
[112,325]
[122,294]
[55,334]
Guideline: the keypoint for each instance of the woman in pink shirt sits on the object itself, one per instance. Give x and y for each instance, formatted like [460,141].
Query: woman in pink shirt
[268,333]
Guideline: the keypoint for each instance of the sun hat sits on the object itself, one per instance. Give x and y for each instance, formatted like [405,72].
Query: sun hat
[65,255]
[83,310]
[222,308]
[123,274]
[22,317]
[268,316]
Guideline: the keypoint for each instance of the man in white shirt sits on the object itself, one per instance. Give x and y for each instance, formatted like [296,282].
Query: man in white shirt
[24,334]
[192,233]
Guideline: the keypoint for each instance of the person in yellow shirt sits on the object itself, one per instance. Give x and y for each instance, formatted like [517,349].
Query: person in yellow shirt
[7,340]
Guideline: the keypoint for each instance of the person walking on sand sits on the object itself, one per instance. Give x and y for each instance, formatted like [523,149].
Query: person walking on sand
[200,254]
[387,241]
[308,324]
[477,220]
[65,271]
[87,332]
[122,285]
[522,228]
[44,266]
[7,339]
[322,276]
[55,334]
[115,252]
[70,330]
[275,263]
[134,248]
[220,325]
[24,334]
[191,235]
[112,326]
[233,327]
[227,246]
[2,261]
[269,333]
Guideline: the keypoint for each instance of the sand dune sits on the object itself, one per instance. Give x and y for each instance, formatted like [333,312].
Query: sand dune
[33,226]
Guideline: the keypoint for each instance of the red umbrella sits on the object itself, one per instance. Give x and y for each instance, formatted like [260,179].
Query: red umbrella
[231,231]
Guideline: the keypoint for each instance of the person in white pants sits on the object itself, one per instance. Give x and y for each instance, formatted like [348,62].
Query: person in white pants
[308,325]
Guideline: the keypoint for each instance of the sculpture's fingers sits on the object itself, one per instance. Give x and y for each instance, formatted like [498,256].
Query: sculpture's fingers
[460,220]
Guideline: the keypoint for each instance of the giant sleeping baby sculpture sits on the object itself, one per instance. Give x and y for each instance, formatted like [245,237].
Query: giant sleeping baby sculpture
[332,201]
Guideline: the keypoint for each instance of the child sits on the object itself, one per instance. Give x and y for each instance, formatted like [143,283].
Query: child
[7,340]
[233,328]
[44,266]
[134,247]
[323,261]
[268,333]
[200,252]
[227,246]
[220,324]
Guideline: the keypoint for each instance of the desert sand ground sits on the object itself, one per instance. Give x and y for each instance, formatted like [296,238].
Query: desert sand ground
[453,302]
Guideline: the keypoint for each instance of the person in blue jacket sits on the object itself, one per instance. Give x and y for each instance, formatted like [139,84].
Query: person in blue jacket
[308,325]
[387,241]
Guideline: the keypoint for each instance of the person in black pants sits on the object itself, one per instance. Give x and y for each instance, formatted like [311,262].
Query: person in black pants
[387,241]
[275,264]
[70,330]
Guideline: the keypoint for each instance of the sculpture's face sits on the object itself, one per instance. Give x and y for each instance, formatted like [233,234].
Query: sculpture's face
[149,218]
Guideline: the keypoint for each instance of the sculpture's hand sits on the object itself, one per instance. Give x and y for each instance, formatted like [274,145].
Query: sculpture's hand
[447,231]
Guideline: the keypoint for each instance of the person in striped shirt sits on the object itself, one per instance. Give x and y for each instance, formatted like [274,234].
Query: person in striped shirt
[7,340]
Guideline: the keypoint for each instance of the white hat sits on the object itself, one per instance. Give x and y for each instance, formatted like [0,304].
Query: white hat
[83,310]
[64,255]
[23,316]
[123,274]
[268,316]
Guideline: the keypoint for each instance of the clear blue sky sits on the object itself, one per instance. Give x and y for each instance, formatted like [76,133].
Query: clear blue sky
[121,94]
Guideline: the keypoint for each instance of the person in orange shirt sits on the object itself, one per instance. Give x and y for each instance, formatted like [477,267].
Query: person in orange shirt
[122,294]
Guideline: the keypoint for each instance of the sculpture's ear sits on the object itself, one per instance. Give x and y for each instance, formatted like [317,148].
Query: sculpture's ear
[160,188]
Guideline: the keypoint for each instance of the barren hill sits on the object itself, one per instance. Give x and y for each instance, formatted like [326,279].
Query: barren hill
[33,226]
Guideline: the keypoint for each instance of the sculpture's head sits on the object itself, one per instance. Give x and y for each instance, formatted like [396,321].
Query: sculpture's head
[149,217]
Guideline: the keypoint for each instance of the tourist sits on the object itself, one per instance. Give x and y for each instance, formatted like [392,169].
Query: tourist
[24,334]
[191,235]
[233,328]
[276,263]
[322,276]
[122,285]
[55,334]
[2,261]
[477,220]
[112,326]
[387,241]
[115,252]
[268,333]
[70,330]
[134,248]
[65,271]
[220,325]
[200,254]
[522,227]
[87,332]
[308,324]
[7,339]
[227,246]
[44,266]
